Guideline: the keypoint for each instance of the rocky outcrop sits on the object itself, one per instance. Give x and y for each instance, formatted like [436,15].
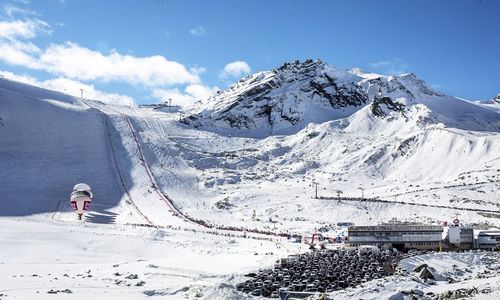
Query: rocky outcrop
[381,106]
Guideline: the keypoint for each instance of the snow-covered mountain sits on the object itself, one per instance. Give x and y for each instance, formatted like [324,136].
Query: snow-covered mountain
[303,121]
[286,99]
[346,130]
[493,103]
[248,162]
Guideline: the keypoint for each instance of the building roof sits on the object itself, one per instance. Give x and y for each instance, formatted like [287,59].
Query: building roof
[489,233]
[397,227]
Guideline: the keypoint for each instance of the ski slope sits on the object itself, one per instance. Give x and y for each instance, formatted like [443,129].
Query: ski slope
[48,142]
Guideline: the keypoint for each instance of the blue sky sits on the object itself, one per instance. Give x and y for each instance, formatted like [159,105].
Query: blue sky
[156,49]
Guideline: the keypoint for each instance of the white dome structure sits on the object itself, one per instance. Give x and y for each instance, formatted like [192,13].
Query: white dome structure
[81,198]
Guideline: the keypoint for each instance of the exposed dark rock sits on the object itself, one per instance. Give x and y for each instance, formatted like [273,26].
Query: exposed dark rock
[132,276]
[65,291]
[496,99]
[224,204]
[406,146]
[140,283]
[458,294]
[380,105]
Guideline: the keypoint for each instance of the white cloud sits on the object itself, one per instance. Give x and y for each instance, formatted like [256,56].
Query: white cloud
[197,70]
[73,61]
[18,53]
[188,97]
[20,78]
[201,92]
[11,10]
[76,62]
[70,87]
[13,47]
[198,31]
[22,29]
[395,66]
[235,69]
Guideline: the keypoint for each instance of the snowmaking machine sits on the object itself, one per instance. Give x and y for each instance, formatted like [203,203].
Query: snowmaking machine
[81,198]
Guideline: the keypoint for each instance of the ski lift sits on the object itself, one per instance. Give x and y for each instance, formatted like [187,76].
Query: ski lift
[81,198]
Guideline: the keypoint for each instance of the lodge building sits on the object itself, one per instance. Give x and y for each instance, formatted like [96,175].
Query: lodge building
[397,235]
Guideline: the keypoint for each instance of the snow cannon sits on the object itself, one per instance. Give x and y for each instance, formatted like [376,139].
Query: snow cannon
[81,198]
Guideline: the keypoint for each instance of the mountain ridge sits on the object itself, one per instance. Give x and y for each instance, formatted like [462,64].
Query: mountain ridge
[284,100]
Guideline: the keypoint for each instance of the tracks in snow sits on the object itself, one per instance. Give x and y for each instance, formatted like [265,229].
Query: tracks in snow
[130,200]
[208,228]
[375,200]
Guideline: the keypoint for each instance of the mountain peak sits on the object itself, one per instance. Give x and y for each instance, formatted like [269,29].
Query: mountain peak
[286,99]
[283,99]
[298,65]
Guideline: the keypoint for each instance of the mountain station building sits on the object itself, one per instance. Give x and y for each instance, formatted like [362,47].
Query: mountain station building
[397,235]
[488,240]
